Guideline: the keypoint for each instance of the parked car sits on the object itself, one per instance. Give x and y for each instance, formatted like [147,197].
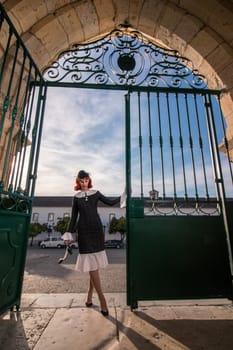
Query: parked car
[74,245]
[52,242]
[114,243]
[55,242]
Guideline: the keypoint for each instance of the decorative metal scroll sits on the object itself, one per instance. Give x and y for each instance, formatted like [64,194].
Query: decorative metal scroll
[125,58]
[16,203]
[191,207]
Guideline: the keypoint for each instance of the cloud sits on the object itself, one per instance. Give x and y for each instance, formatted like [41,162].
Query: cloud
[83,129]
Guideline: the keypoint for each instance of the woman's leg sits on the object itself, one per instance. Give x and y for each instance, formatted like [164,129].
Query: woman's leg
[90,292]
[95,279]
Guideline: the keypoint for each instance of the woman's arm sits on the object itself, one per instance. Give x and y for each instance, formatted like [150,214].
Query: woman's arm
[107,200]
[74,215]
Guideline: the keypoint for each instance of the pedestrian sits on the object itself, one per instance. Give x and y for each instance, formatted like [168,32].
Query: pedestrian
[92,255]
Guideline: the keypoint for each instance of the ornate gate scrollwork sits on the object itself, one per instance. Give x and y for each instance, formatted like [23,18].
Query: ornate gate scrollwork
[125,58]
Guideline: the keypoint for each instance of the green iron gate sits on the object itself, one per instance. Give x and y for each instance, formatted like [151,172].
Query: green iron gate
[22,97]
[178,231]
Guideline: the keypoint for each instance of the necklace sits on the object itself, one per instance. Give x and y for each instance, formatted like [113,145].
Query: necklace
[86,197]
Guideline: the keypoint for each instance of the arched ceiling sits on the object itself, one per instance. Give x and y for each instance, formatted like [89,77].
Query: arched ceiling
[200,30]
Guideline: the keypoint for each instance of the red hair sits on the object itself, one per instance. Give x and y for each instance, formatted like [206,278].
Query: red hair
[77,184]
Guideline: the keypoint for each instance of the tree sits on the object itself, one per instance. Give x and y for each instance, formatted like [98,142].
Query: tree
[44,227]
[34,230]
[113,225]
[122,227]
[62,224]
[118,225]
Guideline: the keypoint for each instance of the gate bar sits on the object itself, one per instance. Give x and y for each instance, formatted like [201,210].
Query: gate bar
[15,109]
[161,143]
[36,133]
[171,145]
[12,28]
[128,186]
[21,133]
[27,124]
[5,53]
[213,149]
[201,145]
[225,139]
[181,147]
[219,179]
[150,141]
[191,145]
[7,97]
[5,109]
[40,118]
[129,88]
[140,141]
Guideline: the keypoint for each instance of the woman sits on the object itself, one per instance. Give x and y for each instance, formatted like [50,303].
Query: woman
[92,255]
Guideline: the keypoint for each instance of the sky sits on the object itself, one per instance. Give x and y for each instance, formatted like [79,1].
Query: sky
[83,129]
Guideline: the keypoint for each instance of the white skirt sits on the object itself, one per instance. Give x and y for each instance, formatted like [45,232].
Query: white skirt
[91,261]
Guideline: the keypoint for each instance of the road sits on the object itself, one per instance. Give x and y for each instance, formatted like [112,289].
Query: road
[43,274]
[115,256]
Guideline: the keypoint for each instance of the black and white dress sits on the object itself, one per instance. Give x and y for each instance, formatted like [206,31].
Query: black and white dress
[92,255]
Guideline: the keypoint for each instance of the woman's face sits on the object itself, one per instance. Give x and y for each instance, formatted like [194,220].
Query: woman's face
[84,182]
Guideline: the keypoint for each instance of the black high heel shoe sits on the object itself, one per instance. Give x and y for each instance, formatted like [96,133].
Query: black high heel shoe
[104,313]
[88,304]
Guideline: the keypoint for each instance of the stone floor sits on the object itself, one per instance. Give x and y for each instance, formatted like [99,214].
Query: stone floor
[60,321]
